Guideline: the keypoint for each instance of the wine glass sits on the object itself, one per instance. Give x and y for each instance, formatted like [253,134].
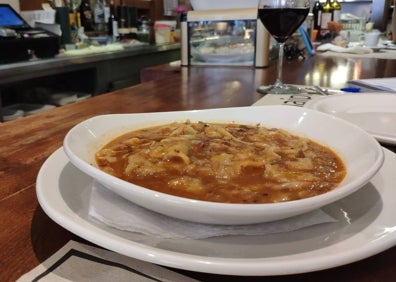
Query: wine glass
[281,18]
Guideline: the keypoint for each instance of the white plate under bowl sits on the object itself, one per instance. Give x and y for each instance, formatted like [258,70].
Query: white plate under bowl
[374,112]
[361,153]
[366,225]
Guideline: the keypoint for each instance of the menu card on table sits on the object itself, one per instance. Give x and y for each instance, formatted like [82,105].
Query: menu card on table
[387,84]
[80,262]
[299,100]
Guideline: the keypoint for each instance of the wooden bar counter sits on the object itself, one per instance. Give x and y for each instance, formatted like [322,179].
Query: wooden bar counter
[28,236]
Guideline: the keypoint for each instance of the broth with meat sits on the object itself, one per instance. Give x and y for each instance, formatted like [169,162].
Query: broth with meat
[229,163]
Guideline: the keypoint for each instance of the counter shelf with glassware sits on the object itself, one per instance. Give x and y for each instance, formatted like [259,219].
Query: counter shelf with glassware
[41,81]
[224,37]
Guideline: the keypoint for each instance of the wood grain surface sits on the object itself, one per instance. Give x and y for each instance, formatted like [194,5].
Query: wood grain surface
[28,236]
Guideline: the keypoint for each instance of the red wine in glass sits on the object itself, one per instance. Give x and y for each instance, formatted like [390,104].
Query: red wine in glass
[281,23]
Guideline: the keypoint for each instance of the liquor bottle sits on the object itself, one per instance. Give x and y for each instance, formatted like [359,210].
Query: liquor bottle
[99,15]
[394,23]
[112,23]
[86,15]
[336,10]
[317,14]
[327,15]
[106,9]
[122,14]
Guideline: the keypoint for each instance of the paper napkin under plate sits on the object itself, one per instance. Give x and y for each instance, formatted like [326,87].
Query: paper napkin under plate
[117,212]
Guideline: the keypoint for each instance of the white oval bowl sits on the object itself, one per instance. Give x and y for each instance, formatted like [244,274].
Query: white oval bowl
[361,153]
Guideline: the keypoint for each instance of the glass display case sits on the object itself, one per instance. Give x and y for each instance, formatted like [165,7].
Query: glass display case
[231,37]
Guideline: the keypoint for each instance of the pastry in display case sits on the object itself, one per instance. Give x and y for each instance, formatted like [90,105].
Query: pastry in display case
[224,37]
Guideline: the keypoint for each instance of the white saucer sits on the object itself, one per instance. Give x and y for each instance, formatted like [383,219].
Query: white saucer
[377,48]
[374,112]
[366,226]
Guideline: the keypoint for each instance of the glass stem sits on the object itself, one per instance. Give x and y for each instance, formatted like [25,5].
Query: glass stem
[279,82]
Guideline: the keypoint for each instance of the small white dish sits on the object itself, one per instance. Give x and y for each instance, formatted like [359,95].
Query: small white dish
[365,226]
[376,48]
[11,113]
[30,109]
[374,112]
[362,159]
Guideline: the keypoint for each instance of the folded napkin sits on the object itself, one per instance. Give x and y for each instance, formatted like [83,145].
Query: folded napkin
[122,214]
[339,49]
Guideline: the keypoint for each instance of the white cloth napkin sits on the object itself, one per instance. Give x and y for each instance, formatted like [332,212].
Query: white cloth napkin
[120,213]
[339,49]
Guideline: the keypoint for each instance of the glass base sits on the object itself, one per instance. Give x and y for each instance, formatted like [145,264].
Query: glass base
[279,89]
